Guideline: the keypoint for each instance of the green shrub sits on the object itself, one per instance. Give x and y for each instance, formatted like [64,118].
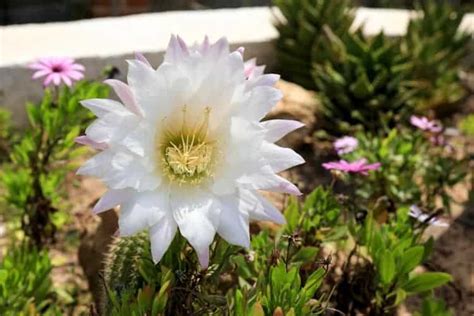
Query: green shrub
[383,276]
[413,171]
[6,134]
[25,283]
[41,158]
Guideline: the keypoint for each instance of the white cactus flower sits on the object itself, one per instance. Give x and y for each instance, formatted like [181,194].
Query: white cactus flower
[185,148]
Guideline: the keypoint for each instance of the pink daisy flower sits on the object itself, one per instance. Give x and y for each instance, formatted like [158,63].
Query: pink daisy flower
[56,70]
[425,124]
[345,145]
[359,166]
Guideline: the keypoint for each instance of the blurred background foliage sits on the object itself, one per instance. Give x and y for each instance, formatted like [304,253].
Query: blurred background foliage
[372,83]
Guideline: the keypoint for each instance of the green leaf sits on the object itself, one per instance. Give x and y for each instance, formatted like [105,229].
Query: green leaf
[239,305]
[313,283]
[411,258]
[426,281]
[434,307]
[400,296]
[305,254]
[292,214]
[386,267]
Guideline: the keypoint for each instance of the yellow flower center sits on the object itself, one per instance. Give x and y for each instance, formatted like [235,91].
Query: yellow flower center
[187,154]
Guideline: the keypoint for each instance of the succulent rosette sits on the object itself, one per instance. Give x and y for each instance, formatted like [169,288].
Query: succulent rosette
[186,149]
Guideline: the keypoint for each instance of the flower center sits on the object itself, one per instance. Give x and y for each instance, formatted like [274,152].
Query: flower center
[187,154]
[57,68]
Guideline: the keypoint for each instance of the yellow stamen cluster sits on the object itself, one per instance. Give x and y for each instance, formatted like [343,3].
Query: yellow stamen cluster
[187,154]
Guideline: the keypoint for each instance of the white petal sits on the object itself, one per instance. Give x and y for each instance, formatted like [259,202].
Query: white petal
[158,92]
[140,139]
[161,236]
[203,47]
[101,107]
[141,211]
[267,180]
[233,222]
[260,101]
[84,140]
[121,170]
[197,218]
[176,51]
[280,158]
[259,208]
[125,94]
[276,129]
[111,127]
[111,199]
[96,166]
[258,71]
[263,80]
[126,170]
[240,155]
[219,48]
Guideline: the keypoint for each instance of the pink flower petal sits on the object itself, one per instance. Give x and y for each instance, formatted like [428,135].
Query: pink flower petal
[77,67]
[358,166]
[76,75]
[176,51]
[38,66]
[41,73]
[142,58]
[84,140]
[56,79]
[249,67]
[48,79]
[66,80]
[125,94]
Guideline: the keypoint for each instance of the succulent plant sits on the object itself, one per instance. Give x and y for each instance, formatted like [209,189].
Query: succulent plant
[122,267]
[122,264]
[300,29]
[134,285]
[436,46]
[361,81]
